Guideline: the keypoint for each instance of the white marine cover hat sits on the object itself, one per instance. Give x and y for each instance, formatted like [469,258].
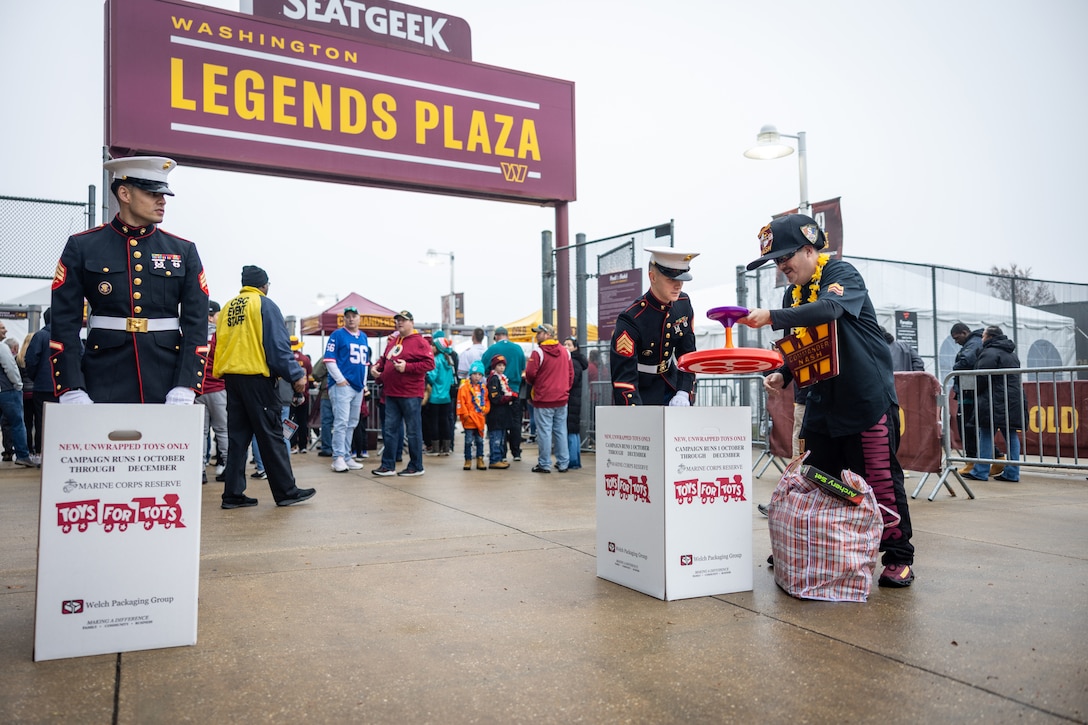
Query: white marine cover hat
[146,172]
[673,263]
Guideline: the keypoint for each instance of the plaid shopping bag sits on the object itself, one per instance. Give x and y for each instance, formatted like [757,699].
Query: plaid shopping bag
[824,547]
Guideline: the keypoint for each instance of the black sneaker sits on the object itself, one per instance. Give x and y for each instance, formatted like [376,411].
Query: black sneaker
[325,454]
[304,494]
[763,509]
[538,469]
[383,471]
[221,477]
[258,474]
[410,472]
[204,477]
[560,470]
[518,458]
[239,502]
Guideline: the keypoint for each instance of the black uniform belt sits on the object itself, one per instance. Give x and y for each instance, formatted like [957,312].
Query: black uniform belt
[132,324]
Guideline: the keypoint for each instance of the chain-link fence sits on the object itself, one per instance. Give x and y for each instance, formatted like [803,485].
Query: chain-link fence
[1047,320]
[33,233]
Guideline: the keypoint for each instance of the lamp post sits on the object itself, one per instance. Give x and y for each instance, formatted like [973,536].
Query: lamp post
[769,146]
[451,302]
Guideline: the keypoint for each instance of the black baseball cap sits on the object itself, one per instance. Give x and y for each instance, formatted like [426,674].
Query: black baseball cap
[787,234]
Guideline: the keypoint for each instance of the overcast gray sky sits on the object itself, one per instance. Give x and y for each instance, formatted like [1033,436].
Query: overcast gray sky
[953,131]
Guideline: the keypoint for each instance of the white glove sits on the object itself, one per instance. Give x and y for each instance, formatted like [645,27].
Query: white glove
[180,396]
[681,399]
[75,397]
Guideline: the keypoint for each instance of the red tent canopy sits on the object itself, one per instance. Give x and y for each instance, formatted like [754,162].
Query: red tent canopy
[373,318]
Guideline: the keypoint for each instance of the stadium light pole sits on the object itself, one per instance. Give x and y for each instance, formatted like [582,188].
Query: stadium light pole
[451,304]
[769,146]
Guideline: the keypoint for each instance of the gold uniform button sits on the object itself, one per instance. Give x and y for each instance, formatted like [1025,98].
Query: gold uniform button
[136,295]
[168,273]
[139,268]
[137,309]
[105,269]
[132,242]
[137,281]
[137,255]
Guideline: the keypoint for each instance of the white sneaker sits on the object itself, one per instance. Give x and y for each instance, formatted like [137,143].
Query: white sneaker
[362,455]
[338,464]
[352,464]
[220,469]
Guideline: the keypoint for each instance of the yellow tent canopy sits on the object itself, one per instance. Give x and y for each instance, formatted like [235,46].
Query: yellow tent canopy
[522,330]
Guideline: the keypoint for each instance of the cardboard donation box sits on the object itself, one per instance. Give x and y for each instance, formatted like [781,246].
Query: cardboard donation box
[674,503]
[119,529]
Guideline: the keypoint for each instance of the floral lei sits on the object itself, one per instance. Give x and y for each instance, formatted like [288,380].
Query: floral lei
[813,290]
[479,394]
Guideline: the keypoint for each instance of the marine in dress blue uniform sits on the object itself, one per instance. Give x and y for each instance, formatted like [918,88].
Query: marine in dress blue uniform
[147,301]
[652,334]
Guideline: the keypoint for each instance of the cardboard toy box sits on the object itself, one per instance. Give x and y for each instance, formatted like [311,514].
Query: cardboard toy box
[674,499]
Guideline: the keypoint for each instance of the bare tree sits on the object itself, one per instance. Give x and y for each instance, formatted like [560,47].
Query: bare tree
[1029,291]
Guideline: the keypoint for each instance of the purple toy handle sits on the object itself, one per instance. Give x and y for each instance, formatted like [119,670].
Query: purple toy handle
[728,316]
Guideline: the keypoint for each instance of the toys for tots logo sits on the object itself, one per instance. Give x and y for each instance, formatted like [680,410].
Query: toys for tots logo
[633,488]
[723,488]
[144,510]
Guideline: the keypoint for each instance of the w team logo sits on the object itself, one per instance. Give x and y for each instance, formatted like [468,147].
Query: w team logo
[514,172]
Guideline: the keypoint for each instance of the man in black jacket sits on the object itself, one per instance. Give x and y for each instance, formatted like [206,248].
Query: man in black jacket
[851,419]
[970,342]
[574,404]
[999,402]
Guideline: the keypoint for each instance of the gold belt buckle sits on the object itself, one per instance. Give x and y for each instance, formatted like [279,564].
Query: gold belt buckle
[135,324]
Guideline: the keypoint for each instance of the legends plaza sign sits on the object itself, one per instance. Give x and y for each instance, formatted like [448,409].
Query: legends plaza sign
[225,90]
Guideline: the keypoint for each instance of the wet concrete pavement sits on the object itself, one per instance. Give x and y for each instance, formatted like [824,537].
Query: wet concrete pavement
[471,596]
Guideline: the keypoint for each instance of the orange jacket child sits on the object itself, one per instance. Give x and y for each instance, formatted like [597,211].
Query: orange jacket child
[472,403]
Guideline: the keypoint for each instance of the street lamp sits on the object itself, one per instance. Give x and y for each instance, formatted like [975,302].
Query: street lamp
[769,146]
[451,303]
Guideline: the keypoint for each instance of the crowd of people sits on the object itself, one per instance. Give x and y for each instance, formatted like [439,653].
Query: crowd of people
[255,382]
[154,336]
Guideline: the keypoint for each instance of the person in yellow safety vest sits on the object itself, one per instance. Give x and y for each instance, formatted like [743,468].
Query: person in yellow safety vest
[251,352]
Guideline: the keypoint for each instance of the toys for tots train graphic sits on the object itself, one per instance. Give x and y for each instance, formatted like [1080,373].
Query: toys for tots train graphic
[635,488]
[142,510]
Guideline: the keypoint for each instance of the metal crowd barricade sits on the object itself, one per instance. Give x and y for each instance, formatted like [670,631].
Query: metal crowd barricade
[1053,402]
